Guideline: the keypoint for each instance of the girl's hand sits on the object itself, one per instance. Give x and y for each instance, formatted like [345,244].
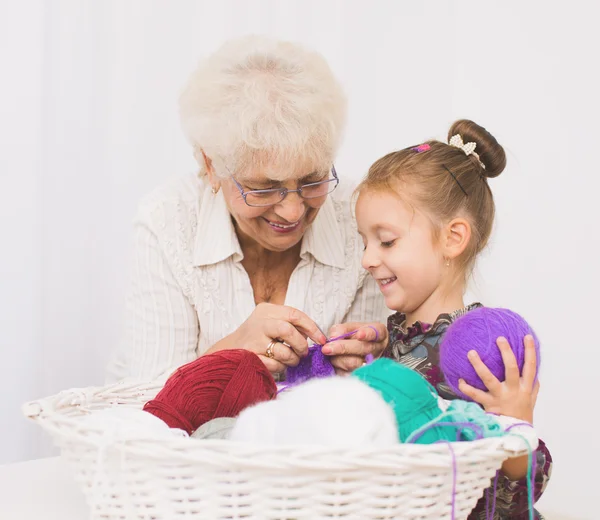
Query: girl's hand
[348,354]
[516,396]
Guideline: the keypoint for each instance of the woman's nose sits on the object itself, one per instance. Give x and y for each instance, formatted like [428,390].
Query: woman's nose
[291,208]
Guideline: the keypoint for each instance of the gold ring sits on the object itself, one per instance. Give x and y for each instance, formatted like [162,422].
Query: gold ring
[269,353]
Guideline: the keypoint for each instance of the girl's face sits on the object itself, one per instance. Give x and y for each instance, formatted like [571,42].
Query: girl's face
[401,252]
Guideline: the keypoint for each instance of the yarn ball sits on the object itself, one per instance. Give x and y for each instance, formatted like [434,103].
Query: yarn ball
[315,364]
[339,412]
[218,428]
[216,385]
[124,423]
[478,330]
[474,422]
[413,400]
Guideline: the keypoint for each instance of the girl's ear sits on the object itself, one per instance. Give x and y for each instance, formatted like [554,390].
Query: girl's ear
[455,237]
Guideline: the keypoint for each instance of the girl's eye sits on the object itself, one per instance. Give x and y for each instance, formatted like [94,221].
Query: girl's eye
[389,243]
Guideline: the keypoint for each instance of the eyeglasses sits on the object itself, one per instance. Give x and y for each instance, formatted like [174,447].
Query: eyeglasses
[270,197]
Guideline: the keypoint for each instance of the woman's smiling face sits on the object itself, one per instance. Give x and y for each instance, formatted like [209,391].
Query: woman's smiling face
[280,226]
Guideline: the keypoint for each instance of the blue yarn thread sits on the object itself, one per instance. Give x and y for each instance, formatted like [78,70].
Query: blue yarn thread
[477,424]
[529,479]
[530,466]
[418,433]
[471,412]
[460,426]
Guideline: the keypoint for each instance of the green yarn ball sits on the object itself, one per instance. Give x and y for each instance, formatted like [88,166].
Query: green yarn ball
[412,398]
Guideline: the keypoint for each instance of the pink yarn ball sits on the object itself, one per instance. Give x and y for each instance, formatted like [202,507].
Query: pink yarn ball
[478,330]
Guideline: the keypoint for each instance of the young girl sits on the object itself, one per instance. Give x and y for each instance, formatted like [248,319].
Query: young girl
[424,214]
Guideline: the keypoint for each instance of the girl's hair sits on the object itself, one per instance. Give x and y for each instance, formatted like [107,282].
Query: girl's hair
[444,182]
[257,101]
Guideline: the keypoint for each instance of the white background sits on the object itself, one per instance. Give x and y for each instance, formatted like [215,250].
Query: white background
[88,123]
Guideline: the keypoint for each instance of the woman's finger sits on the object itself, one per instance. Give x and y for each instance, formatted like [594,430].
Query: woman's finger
[286,333]
[285,355]
[530,362]
[273,366]
[347,363]
[302,323]
[512,375]
[489,380]
[479,396]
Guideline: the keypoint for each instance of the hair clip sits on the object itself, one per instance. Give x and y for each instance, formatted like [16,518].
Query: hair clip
[468,148]
[455,179]
[421,148]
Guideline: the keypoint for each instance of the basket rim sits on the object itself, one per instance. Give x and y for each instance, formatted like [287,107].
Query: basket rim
[51,413]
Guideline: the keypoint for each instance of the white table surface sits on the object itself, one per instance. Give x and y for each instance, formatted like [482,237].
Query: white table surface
[40,489]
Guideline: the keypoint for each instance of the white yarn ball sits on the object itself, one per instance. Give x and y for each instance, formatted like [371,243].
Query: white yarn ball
[120,422]
[334,411]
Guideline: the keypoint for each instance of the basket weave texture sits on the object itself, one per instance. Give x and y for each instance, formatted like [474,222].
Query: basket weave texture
[152,478]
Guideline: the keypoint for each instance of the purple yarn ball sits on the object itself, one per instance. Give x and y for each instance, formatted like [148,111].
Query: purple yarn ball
[316,364]
[478,330]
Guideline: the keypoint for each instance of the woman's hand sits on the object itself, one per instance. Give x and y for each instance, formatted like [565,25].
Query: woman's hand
[516,396]
[276,333]
[348,354]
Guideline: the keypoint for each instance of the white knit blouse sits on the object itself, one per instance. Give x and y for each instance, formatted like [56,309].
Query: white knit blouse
[190,290]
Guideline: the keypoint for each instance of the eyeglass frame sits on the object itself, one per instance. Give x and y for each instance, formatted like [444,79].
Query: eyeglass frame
[285,192]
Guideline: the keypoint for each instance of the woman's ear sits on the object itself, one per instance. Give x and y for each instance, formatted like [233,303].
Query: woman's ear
[456,237]
[206,165]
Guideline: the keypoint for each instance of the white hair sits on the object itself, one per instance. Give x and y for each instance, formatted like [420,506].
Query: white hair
[260,102]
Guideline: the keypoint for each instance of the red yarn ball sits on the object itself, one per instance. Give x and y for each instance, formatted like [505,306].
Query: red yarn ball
[217,385]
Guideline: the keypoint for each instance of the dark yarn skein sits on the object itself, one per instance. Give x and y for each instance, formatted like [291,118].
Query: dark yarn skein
[216,385]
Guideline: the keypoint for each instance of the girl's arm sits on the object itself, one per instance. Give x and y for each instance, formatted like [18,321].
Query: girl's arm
[509,498]
[515,397]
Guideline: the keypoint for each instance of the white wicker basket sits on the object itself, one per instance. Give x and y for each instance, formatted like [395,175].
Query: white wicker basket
[145,478]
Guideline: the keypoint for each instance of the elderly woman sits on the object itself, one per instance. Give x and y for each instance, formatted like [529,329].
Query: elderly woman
[256,251]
